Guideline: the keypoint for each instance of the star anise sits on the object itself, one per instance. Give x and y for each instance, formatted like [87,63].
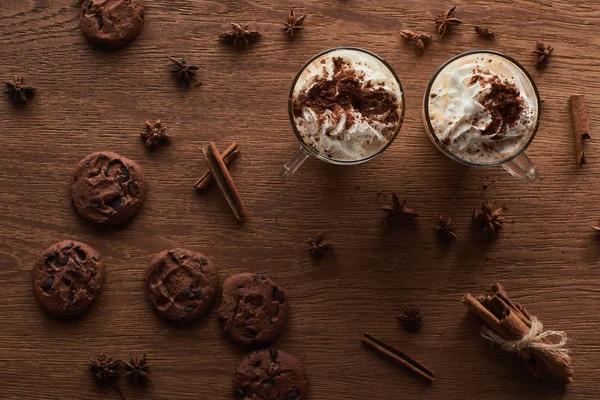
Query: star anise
[183,72]
[418,38]
[411,318]
[489,219]
[445,229]
[17,91]
[398,212]
[445,20]
[318,246]
[239,35]
[485,32]
[293,23]
[543,54]
[154,134]
[137,369]
[104,368]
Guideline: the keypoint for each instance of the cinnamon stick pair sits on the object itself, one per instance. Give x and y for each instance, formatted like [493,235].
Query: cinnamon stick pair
[581,125]
[228,156]
[511,321]
[224,180]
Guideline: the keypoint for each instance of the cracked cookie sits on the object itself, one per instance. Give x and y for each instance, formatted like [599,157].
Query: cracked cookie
[253,311]
[111,23]
[68,277]
[107,189]
[181,284]
[270,375]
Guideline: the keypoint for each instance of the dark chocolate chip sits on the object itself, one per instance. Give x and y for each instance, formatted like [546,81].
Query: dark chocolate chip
[125,176]
[249,334]
[72,297]
[48,260]
[63,259]
[278,295]
[132,188]
[260,277]
[97,203]
[202,261]
[80,254]
[176,258]
[95,259]
[293,395]
[99,20]
[240,392]
[190,308]
[68,247]
[273,354]
[48,284]
[269,382]
[142,14]
[115,203]
[67,281]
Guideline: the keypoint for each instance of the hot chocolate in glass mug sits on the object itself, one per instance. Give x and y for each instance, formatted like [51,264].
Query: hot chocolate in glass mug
[482,108]
[346,106]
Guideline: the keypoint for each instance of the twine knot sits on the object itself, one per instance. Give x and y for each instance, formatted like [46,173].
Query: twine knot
[532,340]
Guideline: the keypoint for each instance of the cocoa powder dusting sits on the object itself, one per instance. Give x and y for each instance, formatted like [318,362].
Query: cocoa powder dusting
[344,93]
[503,102]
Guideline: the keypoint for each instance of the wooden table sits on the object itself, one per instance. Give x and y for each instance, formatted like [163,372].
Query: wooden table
[90,100]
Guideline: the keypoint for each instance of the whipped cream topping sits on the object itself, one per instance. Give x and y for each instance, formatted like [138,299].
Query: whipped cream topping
[483,108]
[347,105]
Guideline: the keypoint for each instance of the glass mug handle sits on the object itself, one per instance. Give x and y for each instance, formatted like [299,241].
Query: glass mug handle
[521,168]
[292,166]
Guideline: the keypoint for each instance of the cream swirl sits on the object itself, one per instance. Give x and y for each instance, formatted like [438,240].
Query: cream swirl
[347,104]
[471,119]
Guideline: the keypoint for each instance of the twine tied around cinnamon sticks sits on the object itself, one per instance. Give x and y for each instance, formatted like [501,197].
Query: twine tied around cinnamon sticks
[536,338]
[509,325]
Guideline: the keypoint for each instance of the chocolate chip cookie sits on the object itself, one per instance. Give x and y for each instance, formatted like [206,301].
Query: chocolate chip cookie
[253,311]
[181,284]
[68,277]
[107,189]
[111,23]
[270,375]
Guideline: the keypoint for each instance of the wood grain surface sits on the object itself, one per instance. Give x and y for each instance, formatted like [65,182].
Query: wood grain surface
[90,100]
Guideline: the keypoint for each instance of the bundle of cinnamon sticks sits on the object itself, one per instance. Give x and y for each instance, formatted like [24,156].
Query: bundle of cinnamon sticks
[511,322]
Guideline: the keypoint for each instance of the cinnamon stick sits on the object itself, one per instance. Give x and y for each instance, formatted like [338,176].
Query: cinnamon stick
[398,356]
[581,125]
[228,156]
[225,181]
[490,319]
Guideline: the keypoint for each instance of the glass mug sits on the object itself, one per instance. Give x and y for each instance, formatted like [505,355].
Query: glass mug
[306,150]
[516,162]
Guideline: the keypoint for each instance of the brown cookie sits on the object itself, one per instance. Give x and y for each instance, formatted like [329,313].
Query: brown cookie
[111,23]
[107,189]
[181,284]
[270,375]
[68,277]
[254,310]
